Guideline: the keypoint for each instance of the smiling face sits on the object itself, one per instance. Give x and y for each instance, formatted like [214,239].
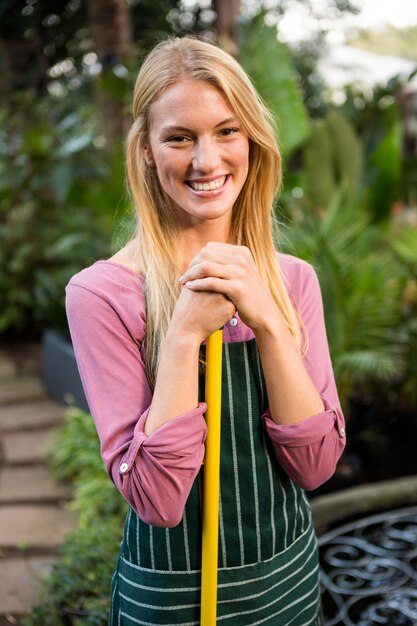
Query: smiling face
[200,152]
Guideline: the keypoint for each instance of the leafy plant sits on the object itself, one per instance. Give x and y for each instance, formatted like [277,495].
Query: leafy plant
[76,457]
[269,65]
[362,287]
[404,245]
[77,592]
[333,157]
[58,198]
[388,174]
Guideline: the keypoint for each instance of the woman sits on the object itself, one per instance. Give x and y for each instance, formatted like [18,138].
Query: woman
[203,167]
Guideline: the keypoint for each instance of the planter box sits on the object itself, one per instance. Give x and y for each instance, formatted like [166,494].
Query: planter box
[60,374]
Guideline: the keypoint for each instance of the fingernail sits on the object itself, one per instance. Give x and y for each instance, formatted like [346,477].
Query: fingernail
[189,283]
[181,279]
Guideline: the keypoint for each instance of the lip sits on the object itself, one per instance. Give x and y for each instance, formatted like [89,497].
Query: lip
[209,179]
[209,193]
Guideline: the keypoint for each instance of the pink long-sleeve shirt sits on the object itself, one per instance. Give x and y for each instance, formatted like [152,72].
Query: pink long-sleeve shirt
[106,314]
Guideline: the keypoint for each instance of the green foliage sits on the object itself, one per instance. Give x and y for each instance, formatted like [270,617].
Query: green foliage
[333,157]
[76,457]
[269,65]
[58,198]
[362,288]
[388,171]
[385,171]
[404,245]
[77,592]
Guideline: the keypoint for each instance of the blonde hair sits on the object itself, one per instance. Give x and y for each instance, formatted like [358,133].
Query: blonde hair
[160,252]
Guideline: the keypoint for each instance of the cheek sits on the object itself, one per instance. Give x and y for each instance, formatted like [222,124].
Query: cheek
[242,155]
[169,167]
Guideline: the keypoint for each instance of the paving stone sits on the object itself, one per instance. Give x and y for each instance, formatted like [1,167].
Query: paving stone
[25,447]
[30,484]
[29,415]
[21,580]
[19,389]
[7,368]
[35,526]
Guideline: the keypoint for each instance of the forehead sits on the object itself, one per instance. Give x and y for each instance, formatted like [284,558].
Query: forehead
[190,102]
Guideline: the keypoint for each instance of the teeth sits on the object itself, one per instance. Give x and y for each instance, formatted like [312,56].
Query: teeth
[214,184]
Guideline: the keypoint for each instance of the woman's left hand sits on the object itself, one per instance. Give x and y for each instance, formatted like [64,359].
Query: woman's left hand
[230,270]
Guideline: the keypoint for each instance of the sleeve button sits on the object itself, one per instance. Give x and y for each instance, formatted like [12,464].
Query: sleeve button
[342,432]
[123,468]
[233,322]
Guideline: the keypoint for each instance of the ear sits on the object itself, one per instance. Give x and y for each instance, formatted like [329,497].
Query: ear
[147,153]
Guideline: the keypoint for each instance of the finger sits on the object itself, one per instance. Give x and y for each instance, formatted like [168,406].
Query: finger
[221,253]
[205,269]
[225,287]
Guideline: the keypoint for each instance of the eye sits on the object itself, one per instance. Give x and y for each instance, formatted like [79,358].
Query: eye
[226,132]
[177,139]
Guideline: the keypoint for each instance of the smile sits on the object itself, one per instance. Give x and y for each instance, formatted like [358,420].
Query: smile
[210,186]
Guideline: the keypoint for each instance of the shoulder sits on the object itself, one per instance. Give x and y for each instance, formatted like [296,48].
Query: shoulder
[300,278]
[296,271]
[110,289]
[106,279]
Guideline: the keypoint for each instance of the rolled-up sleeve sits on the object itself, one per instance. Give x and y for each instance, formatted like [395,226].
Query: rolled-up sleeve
[309,450]
[158,470]
[154,473]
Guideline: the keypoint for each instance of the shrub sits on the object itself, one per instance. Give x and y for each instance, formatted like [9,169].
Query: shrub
[77,592]
[59,193]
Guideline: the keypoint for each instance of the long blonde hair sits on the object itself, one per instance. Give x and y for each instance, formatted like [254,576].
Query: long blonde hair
[160,252]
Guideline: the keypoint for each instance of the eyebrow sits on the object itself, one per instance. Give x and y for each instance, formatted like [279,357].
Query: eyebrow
[175,129]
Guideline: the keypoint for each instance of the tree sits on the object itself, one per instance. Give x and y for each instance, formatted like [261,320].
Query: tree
[111,33]
[226,23]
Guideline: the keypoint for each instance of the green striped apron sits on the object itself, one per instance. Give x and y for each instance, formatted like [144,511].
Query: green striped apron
[268,560]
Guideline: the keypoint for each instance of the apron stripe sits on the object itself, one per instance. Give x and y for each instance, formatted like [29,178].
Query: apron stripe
[261,384]
[279,599]
[129,521]
[151,549]
[158,607]
[186,546]
[285,514]
[221,533]
[137,540]
[308,623]
[142,623]
[271,495]
[294,534]
[252,450]
[234,454]
[169,558]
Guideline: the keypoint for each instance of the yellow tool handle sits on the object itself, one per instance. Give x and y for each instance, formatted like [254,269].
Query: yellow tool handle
[211,491]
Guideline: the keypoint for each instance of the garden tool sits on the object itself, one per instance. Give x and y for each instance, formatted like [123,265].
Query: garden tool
[211,471]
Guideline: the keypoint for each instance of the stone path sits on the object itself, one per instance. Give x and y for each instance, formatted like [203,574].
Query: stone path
[33,516]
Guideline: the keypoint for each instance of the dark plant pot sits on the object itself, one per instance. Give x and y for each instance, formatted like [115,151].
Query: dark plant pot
[60,374]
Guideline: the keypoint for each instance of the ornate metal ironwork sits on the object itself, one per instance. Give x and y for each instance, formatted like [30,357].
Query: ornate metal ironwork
[369,571]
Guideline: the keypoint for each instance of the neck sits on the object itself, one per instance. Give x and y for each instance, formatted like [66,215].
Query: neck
[196,238]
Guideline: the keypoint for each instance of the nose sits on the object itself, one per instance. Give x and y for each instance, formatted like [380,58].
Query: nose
[206,156]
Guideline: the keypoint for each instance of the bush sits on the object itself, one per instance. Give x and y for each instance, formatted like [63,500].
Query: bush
[59,193]
[77,592]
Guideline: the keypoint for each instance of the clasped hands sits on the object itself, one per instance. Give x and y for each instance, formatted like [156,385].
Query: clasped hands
[230,270]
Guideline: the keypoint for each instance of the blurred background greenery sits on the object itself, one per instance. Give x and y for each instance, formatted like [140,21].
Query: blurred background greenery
[348,205]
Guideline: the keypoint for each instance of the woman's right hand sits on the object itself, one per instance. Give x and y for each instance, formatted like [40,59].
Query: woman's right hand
[200,313]
[196,315]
